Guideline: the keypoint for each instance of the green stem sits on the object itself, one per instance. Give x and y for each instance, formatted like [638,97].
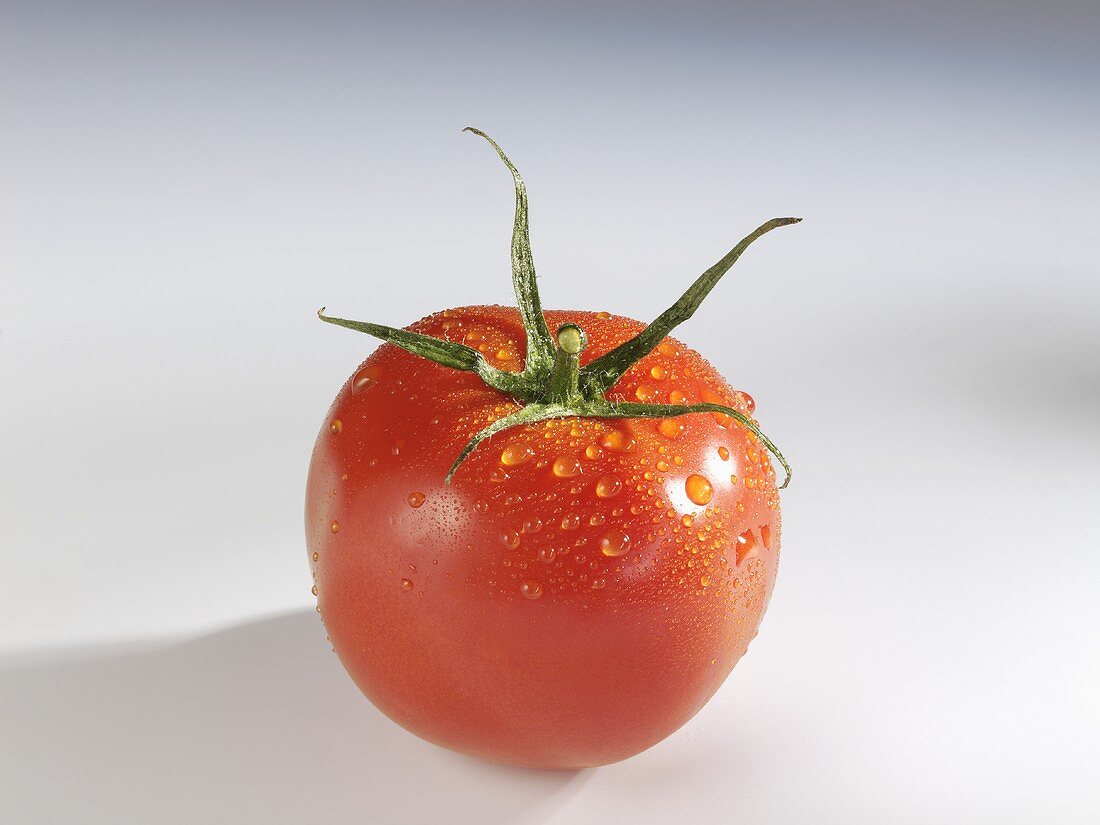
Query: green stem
[540,346]
[447,353]
[564,385]
[600,375]
[630,410]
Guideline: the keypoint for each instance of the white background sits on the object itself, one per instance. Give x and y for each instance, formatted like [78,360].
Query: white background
[182,188]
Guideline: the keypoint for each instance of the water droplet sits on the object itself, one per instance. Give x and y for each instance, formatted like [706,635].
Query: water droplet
[677,397]
[749,402]
[313,590]
[619,441]
[698,489]
[645,392]
[398,446]
[608,487]
[547,554]
[416,499]
[596,520]
[723,454]
[531,589]
[662,465]
[599,584]
[704,580]
[532,524]
[603,316]
[365,377]
[498,475]
[711,397]
[316,555]
[592,452]
[481,506]
[658,373]
[567,466]
[334,527]
[687,520]
[570,522]
[766,535]
[516,454]
[671,428]
[406,584]
[746,546]
[336,425]
[614,543]
[509,538]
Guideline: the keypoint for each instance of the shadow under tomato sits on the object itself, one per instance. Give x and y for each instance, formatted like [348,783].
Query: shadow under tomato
[258,723]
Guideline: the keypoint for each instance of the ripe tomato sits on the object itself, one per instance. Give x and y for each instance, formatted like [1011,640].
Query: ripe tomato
[581,588]
[543,551]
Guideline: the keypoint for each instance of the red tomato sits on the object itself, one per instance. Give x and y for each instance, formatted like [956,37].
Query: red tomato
[582,586]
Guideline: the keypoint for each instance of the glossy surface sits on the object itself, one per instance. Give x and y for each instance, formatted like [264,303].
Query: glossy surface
[581,588]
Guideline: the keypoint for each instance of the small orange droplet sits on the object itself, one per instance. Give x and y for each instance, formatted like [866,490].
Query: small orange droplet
[658,373]
[316,555]
[645,392]
[516,454]
[336,425]
[567,466]
[711,397]
[603,316]
[746,546]
[365,377]
[406,584]
[334,527]
[704,580]
[749,402]
[662,465]
[592,452]
[570,522]
[509,538]
[416,499]
[766,535]
[614,543]
[687,520]
[677,397]
[313,590]
[608,487]
[531,589]
[698,489]
[666,348]
[619,441]
[723,454]
[671,428]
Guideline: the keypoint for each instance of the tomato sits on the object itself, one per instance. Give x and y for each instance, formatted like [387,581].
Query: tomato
[581,585]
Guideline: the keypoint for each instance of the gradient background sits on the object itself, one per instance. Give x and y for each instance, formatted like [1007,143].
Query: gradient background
[183,185]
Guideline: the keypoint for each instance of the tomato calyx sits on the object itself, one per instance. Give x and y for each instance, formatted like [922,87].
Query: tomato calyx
[552,383]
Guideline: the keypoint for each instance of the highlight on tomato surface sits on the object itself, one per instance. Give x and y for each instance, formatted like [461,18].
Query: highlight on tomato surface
[542,537]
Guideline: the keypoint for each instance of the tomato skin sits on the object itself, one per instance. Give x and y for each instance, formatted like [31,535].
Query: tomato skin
[564,602]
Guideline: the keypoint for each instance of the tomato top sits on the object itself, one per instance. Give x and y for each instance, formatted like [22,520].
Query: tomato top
[589,487]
